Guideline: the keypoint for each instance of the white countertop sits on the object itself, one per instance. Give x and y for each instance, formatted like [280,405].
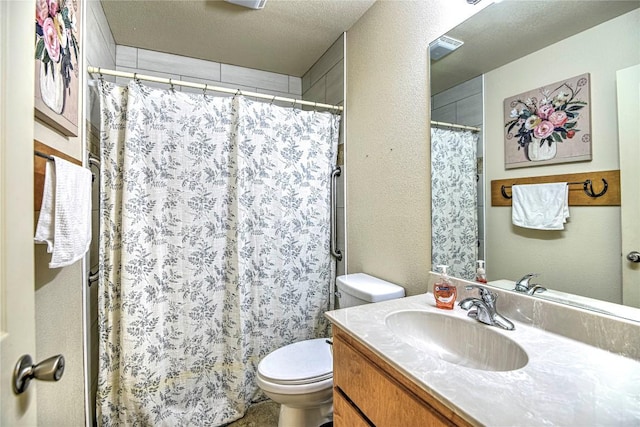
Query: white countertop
[565,382]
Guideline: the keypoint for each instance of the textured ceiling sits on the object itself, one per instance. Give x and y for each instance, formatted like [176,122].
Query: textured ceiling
[509,30]
[285,37]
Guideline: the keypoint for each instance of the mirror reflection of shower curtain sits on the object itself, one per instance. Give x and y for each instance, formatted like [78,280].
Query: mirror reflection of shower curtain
[214,249]
[454,217]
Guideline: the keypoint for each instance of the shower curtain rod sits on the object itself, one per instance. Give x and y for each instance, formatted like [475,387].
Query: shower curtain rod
[454,126]
[205,87]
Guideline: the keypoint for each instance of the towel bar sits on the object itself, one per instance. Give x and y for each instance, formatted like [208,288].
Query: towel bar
[587,187]
[586,195]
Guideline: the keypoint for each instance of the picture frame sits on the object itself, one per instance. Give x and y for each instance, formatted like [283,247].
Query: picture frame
[549,125]
[57,64]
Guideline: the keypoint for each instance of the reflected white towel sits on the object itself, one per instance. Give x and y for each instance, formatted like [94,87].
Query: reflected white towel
[540,206]
[64,223]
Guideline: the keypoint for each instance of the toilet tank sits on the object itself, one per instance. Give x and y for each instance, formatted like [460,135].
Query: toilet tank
[359,288]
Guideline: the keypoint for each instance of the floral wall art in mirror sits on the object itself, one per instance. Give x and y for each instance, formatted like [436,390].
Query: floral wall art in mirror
[551,124]
[57,49]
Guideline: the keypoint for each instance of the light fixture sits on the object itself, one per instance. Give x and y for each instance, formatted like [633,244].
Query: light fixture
[443,47]
[251,4]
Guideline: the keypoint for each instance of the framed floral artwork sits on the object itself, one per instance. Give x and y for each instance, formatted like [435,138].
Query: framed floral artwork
[57,53]
[551,124]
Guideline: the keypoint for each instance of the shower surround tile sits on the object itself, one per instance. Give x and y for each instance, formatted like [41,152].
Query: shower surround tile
[176,64]
[259,78]
[126,56]
[327,61]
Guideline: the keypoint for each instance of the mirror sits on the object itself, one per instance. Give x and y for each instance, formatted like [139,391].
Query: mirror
[512,47]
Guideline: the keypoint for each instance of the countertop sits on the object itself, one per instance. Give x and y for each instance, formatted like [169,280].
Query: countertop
[565,382]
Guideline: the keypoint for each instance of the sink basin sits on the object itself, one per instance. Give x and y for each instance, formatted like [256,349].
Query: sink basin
[466,343]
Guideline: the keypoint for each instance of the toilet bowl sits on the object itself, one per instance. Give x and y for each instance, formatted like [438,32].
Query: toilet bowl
[299,376]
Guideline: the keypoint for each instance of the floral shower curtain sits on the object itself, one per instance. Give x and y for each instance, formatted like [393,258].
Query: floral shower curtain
[214,249]
[454,199]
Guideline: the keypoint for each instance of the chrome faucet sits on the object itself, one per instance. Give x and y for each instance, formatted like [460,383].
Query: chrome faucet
[524,286]
[485,308]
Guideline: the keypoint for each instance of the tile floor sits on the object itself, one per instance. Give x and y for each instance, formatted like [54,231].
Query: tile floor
[263,414]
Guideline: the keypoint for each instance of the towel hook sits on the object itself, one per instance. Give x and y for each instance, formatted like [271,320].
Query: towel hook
[504,193]
[588,188]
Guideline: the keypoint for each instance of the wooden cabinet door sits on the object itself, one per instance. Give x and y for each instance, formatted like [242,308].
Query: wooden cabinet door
[384,401]
[345,414]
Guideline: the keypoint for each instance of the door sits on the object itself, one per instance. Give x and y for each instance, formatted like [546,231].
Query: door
[629,137]
[17,321]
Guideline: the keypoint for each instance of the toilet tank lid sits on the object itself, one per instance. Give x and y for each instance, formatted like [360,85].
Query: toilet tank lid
[368,288]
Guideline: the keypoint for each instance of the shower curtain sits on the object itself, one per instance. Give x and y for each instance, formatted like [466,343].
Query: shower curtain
[454,217]
[214,249]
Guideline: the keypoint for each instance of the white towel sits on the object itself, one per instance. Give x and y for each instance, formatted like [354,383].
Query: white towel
[540,206]
[64,223]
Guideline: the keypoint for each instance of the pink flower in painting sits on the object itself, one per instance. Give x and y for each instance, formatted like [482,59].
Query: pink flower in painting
[558,118]
[543,130]
[42,11]
[51,41]
[544,111]
[54,7]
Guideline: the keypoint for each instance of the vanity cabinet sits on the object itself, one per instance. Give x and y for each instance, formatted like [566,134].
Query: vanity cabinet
[369,391]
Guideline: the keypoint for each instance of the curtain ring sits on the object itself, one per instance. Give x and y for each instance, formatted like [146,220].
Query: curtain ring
[204,90]
[173,89]
[272,100]
[294,103]
[315,107]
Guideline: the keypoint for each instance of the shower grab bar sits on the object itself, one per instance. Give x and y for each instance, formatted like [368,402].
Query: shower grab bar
[94,161]
[334,205]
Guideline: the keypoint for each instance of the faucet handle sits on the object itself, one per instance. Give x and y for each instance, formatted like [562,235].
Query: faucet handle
[523,285]
[527,277]
[486,295]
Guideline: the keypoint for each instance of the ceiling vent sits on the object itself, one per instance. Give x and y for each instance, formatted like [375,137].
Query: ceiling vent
[443,47]
[251,4]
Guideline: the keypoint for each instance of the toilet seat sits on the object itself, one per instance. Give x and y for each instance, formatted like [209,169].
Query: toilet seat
[301,363]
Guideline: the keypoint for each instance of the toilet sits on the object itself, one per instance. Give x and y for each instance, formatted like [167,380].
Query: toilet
[299,376]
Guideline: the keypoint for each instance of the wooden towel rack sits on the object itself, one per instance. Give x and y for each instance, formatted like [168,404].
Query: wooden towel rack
[601,188]
[39,168]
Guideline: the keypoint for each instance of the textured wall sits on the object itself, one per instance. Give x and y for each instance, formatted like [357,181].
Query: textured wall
[585,258]
[58,292]
[388,195]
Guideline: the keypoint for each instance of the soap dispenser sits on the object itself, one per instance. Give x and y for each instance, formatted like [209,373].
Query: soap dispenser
[481,275]
[444,291]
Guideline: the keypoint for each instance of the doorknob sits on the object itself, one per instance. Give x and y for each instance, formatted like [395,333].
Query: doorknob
[47,370]
[634,256]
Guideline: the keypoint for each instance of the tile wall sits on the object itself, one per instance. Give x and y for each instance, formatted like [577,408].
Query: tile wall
[159,64]
[324,82]
[462,104]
